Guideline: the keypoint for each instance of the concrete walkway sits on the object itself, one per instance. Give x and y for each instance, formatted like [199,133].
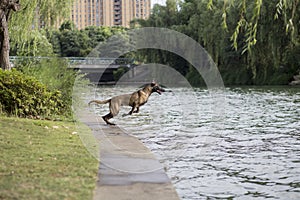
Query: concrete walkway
[128,170]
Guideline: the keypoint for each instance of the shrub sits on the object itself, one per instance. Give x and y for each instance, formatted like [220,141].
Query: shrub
[25,96]
[55,74]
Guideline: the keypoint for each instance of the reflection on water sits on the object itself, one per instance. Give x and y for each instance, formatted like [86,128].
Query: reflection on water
[253,152]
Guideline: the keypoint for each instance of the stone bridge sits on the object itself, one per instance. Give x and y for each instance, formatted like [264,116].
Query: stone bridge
[101,70]
[97,70]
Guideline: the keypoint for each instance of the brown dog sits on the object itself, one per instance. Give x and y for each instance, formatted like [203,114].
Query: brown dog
[135,100]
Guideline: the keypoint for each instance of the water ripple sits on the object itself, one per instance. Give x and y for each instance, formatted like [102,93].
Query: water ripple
[254,153]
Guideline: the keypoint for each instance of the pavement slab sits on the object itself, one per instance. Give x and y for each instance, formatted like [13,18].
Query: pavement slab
[128,170]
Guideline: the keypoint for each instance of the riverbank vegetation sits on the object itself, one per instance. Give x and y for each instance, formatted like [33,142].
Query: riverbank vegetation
[252,42]
[44,160]
[67,41]
[40,89]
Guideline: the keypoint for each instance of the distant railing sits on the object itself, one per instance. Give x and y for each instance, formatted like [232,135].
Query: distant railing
[79,60]
[104,61]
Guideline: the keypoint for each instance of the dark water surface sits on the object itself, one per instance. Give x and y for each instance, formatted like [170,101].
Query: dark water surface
[252,151]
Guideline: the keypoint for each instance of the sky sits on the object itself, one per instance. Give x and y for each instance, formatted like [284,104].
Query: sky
[162,2]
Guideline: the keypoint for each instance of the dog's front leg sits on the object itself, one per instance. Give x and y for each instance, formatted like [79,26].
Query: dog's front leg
[137,110]
[130,112]
[132,109]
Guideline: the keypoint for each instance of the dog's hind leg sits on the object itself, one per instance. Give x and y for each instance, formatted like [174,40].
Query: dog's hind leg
[107,117]
[114,108]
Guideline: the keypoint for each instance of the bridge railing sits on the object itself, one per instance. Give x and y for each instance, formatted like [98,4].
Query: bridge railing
[78,60]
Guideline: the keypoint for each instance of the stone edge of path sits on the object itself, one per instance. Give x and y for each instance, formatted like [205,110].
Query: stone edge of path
[128,170]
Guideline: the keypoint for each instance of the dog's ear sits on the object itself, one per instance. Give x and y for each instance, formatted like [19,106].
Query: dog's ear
[153,84]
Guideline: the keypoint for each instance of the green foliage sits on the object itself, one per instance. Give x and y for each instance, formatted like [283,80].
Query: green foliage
[54,39]
[114,46]
[194,77]
[24,96]
[71,42]
[37,44]
[24,23]
[248,40]
[67,25]
[66,42]
[55,74]
[120,72]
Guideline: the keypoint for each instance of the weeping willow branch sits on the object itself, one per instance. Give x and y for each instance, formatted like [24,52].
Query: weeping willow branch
[23,24]
[224,16]
[284,8]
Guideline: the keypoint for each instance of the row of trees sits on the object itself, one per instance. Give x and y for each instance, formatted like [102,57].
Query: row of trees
[252,42]
[67,41]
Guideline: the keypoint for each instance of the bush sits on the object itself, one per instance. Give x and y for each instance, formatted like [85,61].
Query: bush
[55,74]
[25,96]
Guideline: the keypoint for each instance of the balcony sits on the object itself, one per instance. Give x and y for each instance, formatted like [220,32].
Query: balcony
[118,22]
[117,12]
[117,3]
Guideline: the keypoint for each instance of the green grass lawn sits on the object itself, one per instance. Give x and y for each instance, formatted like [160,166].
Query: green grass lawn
[44,160]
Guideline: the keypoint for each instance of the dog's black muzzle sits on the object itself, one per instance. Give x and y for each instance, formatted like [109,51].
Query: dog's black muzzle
[157,89]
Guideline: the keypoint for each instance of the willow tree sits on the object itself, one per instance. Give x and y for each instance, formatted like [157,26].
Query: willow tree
[250,16]
[22,24]
[252,22]
[6,6]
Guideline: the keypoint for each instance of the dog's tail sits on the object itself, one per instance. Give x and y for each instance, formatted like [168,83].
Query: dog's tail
[99,102]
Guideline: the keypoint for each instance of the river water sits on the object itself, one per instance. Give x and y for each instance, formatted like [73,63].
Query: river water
[247,148]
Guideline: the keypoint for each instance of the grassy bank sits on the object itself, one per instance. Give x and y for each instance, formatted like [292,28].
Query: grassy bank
[44,160]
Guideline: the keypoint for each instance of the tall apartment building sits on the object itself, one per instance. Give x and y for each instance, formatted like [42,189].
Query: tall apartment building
[108,12]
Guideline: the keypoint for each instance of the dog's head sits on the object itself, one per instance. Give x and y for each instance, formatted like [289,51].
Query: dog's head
[156,88]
